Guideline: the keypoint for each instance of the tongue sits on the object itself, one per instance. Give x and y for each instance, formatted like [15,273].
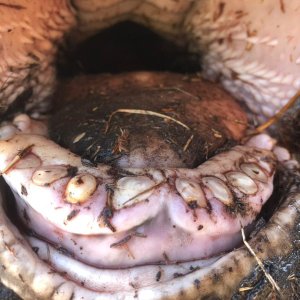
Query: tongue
[158,124]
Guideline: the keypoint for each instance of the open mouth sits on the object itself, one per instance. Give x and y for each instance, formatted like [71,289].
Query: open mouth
[141,184]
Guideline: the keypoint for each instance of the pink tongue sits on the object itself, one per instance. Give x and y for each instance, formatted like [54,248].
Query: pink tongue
[138,216]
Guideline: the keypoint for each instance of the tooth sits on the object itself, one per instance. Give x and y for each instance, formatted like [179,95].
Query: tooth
[130,190]
[218,189]
[7,132]
[243,182]
[190,191]
[22,122]
[254,171]
[80,188]
[47,175]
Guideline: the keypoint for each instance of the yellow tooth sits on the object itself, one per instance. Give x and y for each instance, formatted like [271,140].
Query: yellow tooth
[80,188]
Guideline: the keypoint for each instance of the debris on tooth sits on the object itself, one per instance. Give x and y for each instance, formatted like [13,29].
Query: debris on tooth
[254,171]
[219,189]
[243,182]
[80,188]
[46,175]
[131,190]
[191,191]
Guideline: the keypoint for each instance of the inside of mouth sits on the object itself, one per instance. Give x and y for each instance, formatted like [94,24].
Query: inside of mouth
[94,125]
[85,59]
[126,47]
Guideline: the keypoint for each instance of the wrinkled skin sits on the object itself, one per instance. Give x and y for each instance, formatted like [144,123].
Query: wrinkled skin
[250,72]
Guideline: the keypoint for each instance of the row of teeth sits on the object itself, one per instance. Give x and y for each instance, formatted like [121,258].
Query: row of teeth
[133,189]
[130,190]
[242,176]
[244,182]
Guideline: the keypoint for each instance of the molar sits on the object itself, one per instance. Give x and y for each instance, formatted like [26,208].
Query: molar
[241,181]
[254,171]
[80,188]
[191,192]
[219,189]
[131,190]
[48,174]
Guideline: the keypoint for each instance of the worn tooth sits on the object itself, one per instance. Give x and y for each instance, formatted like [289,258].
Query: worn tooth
[130,190]
[30,161]
[243,182]
[254,171]
[218,189]
[48,174]
[191,192]
[80,188]
[7,132]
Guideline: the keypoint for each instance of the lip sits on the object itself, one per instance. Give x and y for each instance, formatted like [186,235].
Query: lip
[275,244]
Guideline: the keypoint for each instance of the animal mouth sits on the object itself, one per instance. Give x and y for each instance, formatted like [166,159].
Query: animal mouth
[172,197]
